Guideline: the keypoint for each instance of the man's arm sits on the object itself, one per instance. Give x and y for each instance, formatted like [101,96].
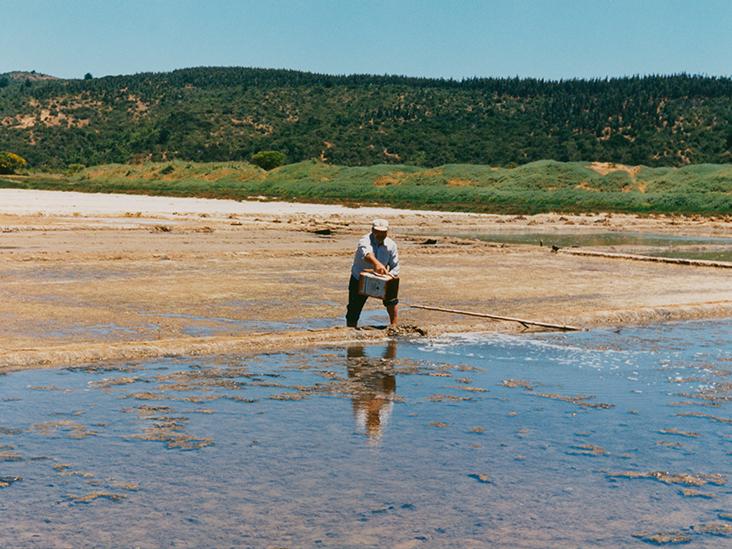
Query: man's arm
[366,251]
[379,267]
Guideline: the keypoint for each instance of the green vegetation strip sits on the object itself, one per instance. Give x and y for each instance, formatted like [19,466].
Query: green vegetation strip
[543,186]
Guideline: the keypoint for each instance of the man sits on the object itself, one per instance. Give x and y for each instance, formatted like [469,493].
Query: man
[377,252]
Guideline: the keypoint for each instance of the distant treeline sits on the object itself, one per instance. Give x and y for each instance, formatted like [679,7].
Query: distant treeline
[223,114]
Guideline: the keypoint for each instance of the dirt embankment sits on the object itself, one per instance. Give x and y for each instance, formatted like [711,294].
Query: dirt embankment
[111,278]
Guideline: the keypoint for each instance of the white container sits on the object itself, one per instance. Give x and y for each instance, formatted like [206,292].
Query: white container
[380,286]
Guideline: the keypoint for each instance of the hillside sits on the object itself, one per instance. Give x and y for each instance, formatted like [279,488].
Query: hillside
[223,114]
[536,187]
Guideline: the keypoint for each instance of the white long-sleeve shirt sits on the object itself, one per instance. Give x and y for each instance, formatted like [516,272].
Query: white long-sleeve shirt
[386,253]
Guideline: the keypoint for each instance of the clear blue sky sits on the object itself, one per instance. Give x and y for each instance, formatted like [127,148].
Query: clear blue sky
[457,38]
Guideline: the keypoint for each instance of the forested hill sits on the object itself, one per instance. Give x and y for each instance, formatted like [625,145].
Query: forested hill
[214,114]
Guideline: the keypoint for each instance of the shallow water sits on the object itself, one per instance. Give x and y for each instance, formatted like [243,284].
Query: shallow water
[712,248]
[695,253]
[542,440]
[569,239]
[200,326]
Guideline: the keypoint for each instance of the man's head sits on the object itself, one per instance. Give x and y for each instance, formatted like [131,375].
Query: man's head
[379,228]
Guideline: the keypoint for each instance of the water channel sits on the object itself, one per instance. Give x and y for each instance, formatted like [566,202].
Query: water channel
[603,438]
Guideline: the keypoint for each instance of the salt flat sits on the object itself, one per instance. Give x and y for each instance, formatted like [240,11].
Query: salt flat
[90,277]
[22,201]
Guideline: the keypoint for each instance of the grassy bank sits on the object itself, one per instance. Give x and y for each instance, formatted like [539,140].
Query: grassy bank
[543,186]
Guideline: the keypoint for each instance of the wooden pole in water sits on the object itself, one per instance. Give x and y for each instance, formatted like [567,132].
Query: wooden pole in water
[522,321]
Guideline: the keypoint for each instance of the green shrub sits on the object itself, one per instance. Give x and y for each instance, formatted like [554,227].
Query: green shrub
[268,160]
[11,162]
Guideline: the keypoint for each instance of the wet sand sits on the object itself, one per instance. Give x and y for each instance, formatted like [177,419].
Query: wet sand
[115,277]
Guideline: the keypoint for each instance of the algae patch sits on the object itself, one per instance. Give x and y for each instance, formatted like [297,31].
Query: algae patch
[93,496]
[72,429]
[578,400]
[8,481]
[669,478]
[663,538]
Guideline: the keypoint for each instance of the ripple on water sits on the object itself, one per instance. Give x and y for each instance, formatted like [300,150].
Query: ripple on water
[380,445]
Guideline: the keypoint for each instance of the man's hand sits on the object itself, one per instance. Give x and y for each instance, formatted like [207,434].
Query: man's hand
[379,268]
[378,265]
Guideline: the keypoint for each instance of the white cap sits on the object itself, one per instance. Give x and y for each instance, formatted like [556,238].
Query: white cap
[380,225]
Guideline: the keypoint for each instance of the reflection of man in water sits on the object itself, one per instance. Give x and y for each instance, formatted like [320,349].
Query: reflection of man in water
[375,382]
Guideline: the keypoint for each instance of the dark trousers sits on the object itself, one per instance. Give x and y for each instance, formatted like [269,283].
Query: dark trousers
[356,302]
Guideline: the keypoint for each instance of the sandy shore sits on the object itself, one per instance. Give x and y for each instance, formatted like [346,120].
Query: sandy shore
[90,277]
[19,201]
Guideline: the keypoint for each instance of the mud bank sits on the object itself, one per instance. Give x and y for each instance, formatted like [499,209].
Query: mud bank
[250,344]
[71,354]
[128,278]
